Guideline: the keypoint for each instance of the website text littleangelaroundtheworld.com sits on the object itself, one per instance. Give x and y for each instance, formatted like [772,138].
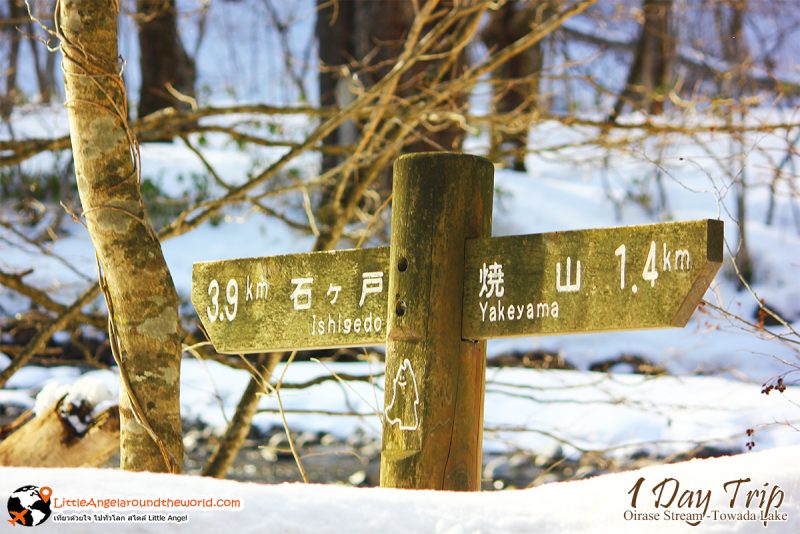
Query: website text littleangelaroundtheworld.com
[139,503]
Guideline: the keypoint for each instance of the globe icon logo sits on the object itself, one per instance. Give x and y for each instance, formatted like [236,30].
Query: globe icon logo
[29,506]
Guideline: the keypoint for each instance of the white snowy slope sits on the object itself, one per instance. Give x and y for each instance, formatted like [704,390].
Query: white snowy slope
[599,505]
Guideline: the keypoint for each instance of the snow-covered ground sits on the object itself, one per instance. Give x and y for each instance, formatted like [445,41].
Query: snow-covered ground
[538,411]
[732,494]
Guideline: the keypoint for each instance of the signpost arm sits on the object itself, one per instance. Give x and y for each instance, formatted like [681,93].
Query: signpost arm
[433,417]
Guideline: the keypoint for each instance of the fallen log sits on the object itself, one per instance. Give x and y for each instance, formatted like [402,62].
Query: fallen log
[51,439]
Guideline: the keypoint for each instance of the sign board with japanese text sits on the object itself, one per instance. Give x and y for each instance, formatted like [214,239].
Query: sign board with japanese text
[300,301]
[649,276]
[440,290]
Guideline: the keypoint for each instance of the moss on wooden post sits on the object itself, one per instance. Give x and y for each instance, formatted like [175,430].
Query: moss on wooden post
[141,297]
[433,417]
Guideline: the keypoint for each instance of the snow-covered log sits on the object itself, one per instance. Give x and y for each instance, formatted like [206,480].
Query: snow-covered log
[75,426]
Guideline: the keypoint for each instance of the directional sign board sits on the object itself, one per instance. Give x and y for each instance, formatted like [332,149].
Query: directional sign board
[437,290]
[650,276]
[315,300]
[626,278]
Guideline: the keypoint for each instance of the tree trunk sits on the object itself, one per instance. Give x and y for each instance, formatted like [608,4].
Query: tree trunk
[43,76]
[650,76]
[336,48]
[50,73]
[365,39]
[368,32]
[16,12]
[163,58]
[141,298]
[231,442]
[734,51]
[381,29]
[516,82]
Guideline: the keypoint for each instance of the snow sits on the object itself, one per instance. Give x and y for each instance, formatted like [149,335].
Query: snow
[596,505]
[50,393]
[33,378]
[598,411]
[88,391]
[543,411]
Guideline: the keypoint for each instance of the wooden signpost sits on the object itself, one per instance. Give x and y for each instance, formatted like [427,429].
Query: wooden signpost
[298,301]
[443,288]
[649,276]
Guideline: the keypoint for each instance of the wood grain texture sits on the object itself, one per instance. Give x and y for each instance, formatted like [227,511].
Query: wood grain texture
[668,267]
[49,440]
[332,312]
[433,427]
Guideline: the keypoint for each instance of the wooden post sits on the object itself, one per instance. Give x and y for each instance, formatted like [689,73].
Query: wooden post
[433,426]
